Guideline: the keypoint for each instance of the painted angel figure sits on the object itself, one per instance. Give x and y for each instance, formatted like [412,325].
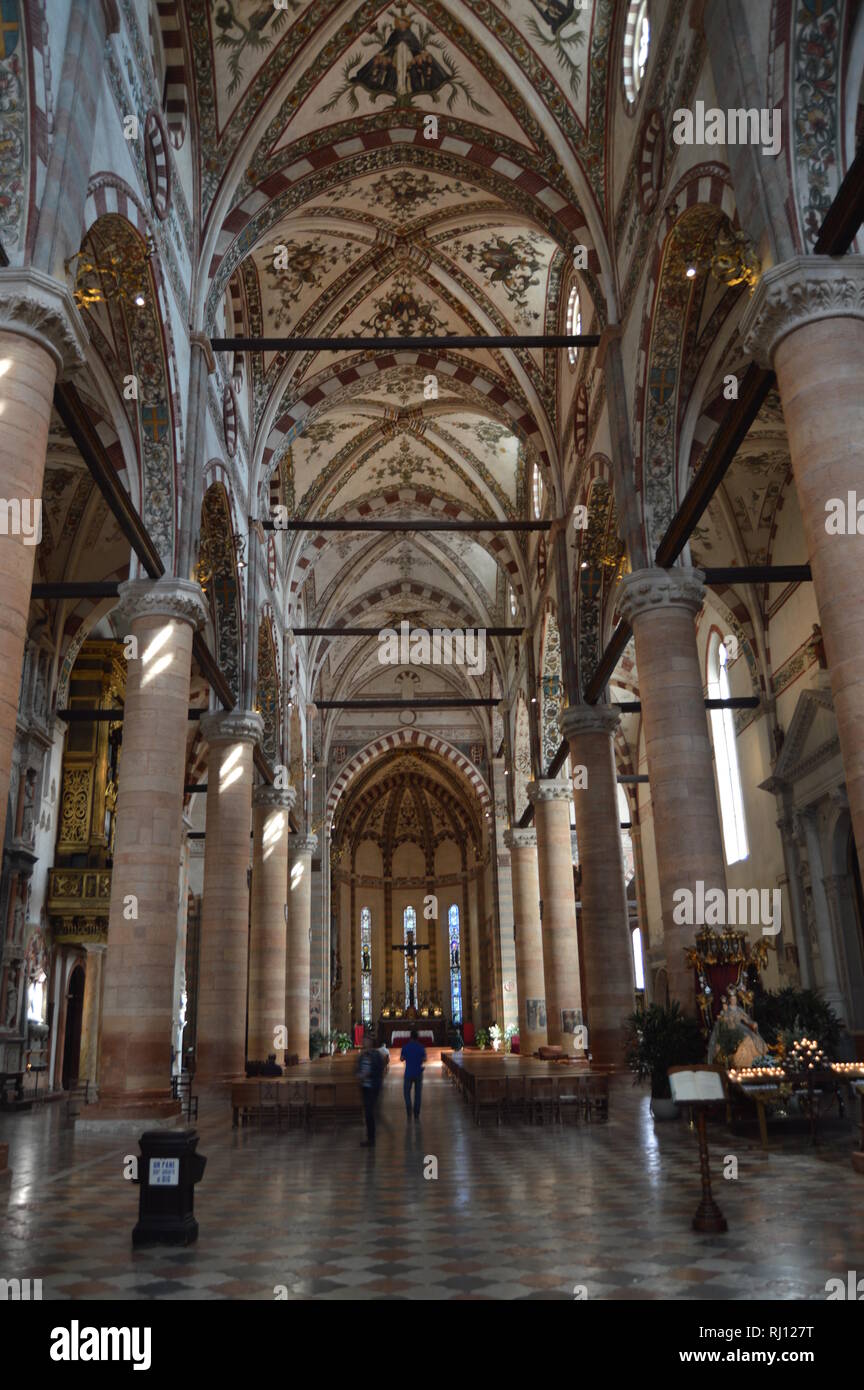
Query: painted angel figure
[403,67]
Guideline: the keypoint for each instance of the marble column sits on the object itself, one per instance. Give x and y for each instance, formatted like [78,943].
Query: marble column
[270,831]
[138,990]
[88,1065]
[806,320]
[41,338]
[551,801]
[298,954]
[224,951]
[661,606]
[530,982]
[606,945]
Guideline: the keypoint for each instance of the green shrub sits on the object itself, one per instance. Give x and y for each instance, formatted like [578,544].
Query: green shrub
[658,1038]
[799,1013]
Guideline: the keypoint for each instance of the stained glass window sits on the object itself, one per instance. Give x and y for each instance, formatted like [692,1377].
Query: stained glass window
[409,923]
[574,323]
[455,965]
[366,965]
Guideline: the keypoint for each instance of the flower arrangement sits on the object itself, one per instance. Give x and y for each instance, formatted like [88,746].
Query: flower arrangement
[482,1039]
[496,1034]
[510,1032]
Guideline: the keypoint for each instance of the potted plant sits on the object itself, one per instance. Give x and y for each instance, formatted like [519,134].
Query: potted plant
[661,1037]
[496,1035]
[510,1032]
[482,1039]
[316,1043]
[343,1042]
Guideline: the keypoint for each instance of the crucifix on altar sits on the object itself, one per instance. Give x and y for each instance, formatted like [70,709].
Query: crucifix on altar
[409,950]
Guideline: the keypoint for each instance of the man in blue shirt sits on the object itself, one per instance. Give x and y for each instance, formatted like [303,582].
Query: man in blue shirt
[414,1056]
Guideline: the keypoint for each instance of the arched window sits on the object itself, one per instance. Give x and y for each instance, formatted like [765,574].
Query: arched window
[574,322]
[36,999]
[638,966]
[514,606]
[409,938]
[455,964]
[726,756]
[365,965]
[637,42]
[537,491]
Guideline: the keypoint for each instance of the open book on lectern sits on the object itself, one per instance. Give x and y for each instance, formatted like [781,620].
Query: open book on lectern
[693,1084]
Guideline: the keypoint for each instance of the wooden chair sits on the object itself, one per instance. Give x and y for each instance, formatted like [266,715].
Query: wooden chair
[570,1099]
[595,1097]
[244,1102]
[515,1099]
[348,1103]
[296,1102]
[322,1104]
[489,1098]
[269,1104]
[542,1099]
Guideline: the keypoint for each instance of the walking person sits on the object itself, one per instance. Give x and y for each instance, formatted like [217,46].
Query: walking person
[370,1069]
[414,1056]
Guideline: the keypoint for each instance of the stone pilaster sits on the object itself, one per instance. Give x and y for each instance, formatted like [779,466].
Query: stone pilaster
[300,851]
[138,990]
[224,956]
[270,832]
[551,802]
[91,1022]
[606,946]
[806,320]
[661,606]
[528,931]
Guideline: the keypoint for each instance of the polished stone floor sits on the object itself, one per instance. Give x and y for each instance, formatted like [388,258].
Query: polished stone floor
[519,1212]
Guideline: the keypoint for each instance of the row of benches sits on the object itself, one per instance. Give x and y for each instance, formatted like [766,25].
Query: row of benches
[534,1099]
[306,1104]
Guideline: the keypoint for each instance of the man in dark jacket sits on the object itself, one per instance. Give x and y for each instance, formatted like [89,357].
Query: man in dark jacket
[414,1057]
[370,1069]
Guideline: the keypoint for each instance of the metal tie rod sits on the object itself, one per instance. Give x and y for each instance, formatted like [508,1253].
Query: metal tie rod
[481,524]
[376,631]
[443,703]
[418,344]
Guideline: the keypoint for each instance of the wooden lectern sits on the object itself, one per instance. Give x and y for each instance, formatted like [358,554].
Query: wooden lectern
[700,1086]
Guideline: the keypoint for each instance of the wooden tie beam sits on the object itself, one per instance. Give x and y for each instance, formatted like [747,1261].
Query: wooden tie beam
[418,344]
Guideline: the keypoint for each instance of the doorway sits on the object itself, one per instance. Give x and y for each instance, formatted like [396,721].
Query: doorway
[72,1035]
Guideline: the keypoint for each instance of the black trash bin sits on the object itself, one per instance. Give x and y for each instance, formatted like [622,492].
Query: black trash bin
[168,1170]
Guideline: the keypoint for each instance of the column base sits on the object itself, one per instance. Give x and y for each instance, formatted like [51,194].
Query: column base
[5,1172]
[857,1163]
[128,1112]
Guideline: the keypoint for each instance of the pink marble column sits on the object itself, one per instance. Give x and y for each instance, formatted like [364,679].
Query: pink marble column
[300,851]
[806,319]
[270,832]
[40,338]
[528,933]
[608,957]
[661,607]
[138,990]
[224,955]
[551,801]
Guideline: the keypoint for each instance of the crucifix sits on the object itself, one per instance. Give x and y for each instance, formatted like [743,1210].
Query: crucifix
[409,950]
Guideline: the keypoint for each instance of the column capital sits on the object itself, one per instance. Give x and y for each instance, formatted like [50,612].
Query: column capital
[202,342]
[274,798]
[180,599]
[302,844]
[550,789]
[95,948]
[521,838]
[232,726]
[800,291]
[644,590]
[588,719]
[38,307]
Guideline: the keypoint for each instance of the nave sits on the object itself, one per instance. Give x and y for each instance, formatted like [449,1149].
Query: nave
[511,1216]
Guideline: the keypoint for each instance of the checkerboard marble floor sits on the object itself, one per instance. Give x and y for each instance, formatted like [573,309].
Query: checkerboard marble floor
[515,1212]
